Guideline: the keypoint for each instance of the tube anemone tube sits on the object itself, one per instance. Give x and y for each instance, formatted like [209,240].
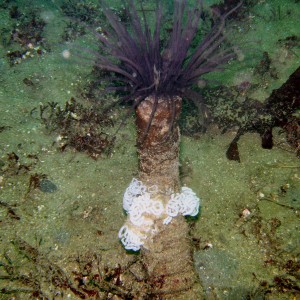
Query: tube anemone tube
[158,141]
[167,255]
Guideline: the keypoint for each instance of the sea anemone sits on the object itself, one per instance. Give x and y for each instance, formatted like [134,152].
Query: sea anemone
[153,75]
[148,68]
[143,65]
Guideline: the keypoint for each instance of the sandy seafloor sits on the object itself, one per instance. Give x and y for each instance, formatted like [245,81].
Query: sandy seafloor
[233,254]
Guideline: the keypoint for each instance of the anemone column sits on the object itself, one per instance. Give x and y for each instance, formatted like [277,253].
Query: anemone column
[167,253]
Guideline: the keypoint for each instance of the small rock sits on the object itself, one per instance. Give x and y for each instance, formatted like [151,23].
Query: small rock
[47,186]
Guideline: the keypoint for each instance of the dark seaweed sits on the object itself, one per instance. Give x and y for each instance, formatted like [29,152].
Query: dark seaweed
[46,279]
[81,128]
[10,211]
[276,256]
[279,110]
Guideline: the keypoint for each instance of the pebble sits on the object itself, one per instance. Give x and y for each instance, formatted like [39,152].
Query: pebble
[47,186]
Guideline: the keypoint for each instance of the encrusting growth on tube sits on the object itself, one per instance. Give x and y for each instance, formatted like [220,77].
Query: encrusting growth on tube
[144,208]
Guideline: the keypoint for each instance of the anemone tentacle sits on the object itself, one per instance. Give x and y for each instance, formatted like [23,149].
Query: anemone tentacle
[135,53]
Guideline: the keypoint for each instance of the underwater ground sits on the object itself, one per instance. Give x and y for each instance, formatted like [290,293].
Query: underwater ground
[61,197]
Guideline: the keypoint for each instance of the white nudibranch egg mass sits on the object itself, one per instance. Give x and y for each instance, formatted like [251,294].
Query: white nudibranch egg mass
[143,209]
